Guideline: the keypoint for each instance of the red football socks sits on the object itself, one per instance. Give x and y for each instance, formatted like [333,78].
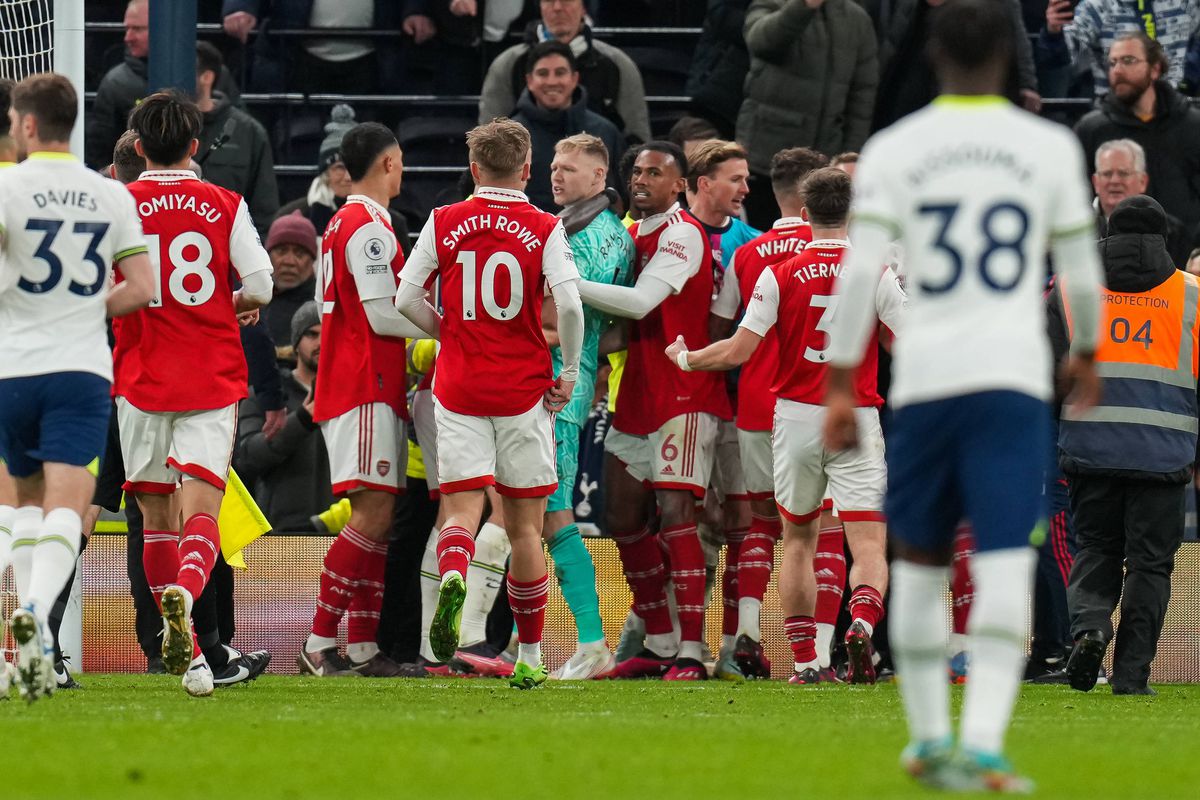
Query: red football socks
[528,603]
[687,573]
[455,549]
[642,562]
[866,604]
[198,549]
[339,580]
[756,557]
[962,590]
[801,634]
[160,559]
[829,565]
[729,582]
[362,616]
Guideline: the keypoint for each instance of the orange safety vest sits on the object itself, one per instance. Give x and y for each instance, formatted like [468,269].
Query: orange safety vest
[1148,356]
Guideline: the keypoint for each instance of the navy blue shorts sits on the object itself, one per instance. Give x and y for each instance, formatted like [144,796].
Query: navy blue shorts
[980,457]
[60,418]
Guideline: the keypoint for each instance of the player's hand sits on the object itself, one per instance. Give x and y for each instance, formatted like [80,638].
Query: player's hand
[675,348]
[274,422]
[1031,101]
[248,318]
[1058,14]
[419,27]
[1084,385]
[559,394]
[239,24]
[841,426]
[464,8]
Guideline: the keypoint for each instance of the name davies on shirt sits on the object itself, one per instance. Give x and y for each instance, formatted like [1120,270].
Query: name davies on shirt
[71,198]
[179,202]
[494,222]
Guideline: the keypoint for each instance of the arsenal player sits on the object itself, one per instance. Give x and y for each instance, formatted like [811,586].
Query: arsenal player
[360,403]
[664,433]
[176,412]
[495,394]
[795,298]
[754,560]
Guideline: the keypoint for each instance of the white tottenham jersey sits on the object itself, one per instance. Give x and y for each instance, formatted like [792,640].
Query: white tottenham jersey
[973,190]
[62,226]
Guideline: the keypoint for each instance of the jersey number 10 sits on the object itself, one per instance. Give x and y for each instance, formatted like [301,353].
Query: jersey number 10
[484,286]
[182,267]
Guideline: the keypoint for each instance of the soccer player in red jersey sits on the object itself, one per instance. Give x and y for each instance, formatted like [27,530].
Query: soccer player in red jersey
[178,413]
[754,559]
[795,297]
[494,392]
[361,406]
[663,437]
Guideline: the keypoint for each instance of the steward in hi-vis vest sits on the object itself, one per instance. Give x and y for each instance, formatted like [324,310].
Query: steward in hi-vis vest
[1129,460]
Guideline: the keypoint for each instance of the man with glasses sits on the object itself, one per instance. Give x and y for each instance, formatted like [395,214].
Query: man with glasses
[1144,108]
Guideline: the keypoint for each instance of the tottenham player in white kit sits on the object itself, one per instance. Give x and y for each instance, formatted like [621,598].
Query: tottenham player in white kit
[61,227]
[973,190]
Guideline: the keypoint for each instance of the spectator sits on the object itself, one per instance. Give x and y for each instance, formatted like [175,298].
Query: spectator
[612,81]
[691,132]
[324,65]
[906,81]
[719,66]
[289,473]
[234,150]
[330,188]
[553,107]
[847,162]
[1142,106]
[292,245]
[125,84]
[812,81]
[1082,36]
[1193,266]
[1129,463]
[1120,173]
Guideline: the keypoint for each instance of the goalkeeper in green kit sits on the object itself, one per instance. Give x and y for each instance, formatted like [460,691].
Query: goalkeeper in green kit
[603,252]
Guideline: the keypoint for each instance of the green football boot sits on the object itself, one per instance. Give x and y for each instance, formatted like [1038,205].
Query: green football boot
[447,618]
[527,677]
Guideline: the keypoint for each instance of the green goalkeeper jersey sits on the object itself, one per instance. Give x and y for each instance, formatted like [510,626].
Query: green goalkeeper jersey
[604,253]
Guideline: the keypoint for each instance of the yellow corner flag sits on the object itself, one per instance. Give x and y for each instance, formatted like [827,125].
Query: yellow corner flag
[241,521]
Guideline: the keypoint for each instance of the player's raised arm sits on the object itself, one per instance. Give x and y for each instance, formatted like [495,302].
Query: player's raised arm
[410,296]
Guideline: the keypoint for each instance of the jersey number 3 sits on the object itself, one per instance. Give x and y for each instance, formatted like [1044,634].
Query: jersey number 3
[202,284]
[484,286]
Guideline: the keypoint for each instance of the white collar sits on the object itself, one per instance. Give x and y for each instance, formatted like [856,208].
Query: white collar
[369,203]
[788,222]
[501,195]
[827,243]
[652,222]
[168,175]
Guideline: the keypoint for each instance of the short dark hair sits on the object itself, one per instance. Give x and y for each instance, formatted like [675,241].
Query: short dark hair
[1155,54]
[51,99]
[668,149]
[127,164]
[362,145]
[208,59]
[827,196]
[166,123]
[544,50]
[791,166]
[692,129]
[6,88]
[970,34]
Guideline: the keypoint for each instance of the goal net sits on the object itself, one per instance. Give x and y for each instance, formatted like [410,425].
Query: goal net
[26,37]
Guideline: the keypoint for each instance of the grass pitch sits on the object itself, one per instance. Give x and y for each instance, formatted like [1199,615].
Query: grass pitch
[126,736]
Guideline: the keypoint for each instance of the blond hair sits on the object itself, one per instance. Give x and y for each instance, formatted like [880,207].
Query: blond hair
[584,143]
[705,159]
[499,147]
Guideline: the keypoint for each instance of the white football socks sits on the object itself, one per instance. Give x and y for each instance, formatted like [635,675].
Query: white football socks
[430,583]
[825,633]
[998,630]
[485,576]
[362,652]
[530,654]
[749,614]
[54,559]
[7,515]
[27,526]
[919,627]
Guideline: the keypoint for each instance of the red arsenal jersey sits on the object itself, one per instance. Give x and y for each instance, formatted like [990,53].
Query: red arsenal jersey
[184,352]
[674,247]
[359,261]
[495,254]
[756,402]
[797,297]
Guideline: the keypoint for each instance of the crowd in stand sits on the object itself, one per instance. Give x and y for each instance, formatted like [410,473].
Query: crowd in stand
[768,74]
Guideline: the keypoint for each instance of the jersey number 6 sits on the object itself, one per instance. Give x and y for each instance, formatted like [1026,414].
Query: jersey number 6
[182,268]
[487,285]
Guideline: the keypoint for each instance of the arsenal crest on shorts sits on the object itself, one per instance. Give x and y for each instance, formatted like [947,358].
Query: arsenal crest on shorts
[383,467]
